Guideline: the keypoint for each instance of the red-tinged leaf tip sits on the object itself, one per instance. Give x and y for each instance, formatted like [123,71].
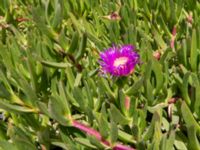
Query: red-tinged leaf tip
[127,102]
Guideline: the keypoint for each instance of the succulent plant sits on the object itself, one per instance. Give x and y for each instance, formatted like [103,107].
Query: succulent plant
[71,79]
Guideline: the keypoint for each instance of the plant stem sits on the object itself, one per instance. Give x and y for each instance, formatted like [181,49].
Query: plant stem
[90,131]
[96,134]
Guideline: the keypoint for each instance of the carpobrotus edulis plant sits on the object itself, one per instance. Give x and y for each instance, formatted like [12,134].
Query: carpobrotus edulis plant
[119,60]
[63,85]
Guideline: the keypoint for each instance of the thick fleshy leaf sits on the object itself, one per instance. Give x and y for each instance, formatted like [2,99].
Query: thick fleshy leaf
[189,118]
[117,116]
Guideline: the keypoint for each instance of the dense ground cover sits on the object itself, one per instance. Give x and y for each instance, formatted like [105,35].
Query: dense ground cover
[55,92]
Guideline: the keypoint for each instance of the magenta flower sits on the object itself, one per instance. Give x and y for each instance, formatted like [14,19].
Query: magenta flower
[119,61]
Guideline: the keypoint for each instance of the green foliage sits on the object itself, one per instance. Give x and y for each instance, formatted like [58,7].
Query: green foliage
[49,74]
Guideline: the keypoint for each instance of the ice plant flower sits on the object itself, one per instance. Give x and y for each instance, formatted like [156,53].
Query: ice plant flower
[119,61]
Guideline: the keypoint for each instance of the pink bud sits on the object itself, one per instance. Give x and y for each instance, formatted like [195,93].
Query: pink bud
[156,55]
[113,16]
[173,37]
[190,18]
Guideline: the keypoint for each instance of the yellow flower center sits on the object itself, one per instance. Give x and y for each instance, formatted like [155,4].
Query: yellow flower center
[120,61]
